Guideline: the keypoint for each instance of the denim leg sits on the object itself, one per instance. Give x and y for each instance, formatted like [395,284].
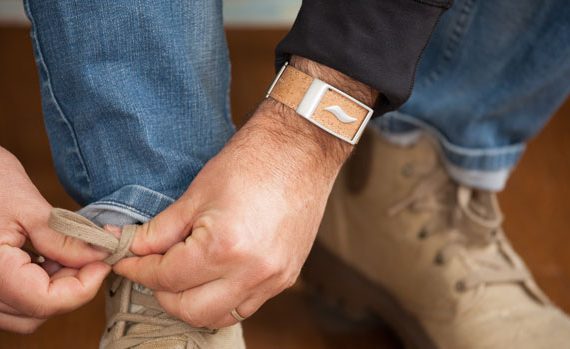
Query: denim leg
[492,75]
[135,95]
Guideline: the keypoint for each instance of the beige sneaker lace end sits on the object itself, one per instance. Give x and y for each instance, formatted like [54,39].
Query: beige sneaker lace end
[76,226]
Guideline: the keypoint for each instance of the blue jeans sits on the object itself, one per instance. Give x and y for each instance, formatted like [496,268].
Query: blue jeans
[135,96]
[135,93]
[492,75]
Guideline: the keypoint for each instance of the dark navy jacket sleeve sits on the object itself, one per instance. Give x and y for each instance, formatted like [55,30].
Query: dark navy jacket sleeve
[377,42]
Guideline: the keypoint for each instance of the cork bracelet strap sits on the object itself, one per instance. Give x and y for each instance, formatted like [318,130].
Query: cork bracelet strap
[324,105]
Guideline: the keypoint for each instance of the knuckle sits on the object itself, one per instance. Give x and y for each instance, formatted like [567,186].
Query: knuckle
[276,272]
[286,280]
[269,267]
[234,247]
[229,246]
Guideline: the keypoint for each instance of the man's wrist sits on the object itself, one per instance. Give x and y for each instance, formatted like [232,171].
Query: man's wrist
[330,149]
[295,133]
[278,130]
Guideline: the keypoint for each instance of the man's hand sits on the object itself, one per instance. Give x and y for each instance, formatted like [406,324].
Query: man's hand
[30,292]
[242,231]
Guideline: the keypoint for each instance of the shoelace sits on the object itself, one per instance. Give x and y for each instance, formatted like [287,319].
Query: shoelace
[159,325]
[469,226]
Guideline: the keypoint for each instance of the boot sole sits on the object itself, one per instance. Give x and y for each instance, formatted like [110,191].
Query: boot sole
[332,277]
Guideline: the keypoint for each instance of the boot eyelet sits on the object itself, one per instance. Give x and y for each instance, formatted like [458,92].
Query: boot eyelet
[460,286]
[408,170]
[438,260]
[422,234]
[111,293]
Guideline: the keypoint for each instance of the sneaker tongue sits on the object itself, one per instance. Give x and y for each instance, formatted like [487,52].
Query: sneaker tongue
[484,204]
[136,308]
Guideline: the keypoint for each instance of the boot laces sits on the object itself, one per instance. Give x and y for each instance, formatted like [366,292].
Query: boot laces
[140,309]
[137,306]
[471,220]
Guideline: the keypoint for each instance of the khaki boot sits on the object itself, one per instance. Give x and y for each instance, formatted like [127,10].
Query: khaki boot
[403,241]
[134,317]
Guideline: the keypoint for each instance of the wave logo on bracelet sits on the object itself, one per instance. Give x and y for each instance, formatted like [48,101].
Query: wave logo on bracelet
[340,114]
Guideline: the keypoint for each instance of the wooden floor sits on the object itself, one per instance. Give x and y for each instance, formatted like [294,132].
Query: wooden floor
[535,203]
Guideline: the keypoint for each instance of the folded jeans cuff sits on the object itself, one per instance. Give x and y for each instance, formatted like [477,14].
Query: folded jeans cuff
[135,201]
[483,168]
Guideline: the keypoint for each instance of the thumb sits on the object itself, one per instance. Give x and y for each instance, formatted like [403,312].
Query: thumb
[165,230]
